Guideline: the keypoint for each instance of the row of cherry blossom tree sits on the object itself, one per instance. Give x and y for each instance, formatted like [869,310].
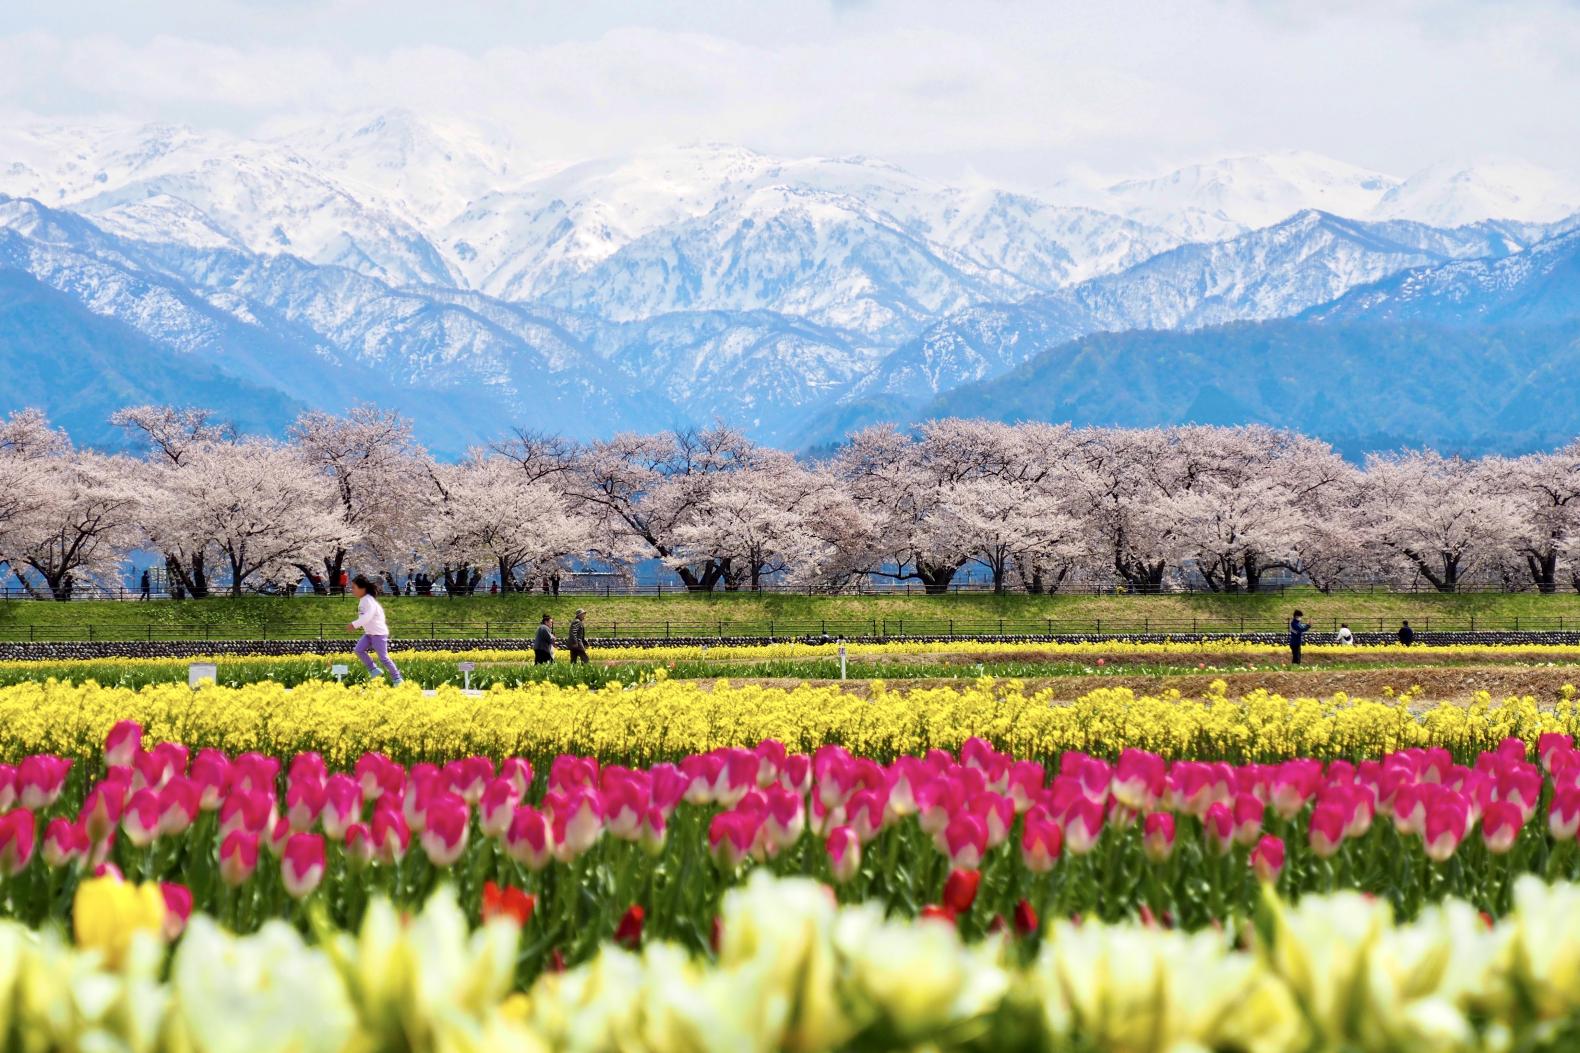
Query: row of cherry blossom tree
[1037,507]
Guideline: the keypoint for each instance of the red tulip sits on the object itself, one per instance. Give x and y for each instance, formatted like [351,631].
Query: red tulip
[507,902]
[960,890]
[628,933]
[1025,918]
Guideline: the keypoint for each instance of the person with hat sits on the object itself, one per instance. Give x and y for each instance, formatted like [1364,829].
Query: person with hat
[576,638]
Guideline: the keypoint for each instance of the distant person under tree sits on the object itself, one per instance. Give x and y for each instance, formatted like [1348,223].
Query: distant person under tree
[1406,634]
[1344,636]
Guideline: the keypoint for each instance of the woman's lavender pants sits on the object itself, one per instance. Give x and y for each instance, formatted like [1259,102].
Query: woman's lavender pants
[379,645]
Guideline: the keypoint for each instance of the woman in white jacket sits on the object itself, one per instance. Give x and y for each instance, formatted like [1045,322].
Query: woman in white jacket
[375,630]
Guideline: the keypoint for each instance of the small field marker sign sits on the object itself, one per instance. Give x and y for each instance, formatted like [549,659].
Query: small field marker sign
[197,672]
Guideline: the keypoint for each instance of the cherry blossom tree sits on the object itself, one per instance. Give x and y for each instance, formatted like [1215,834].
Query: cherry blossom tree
[82,528]
[168,434]
[650,488]
[1441,515]
[378,473]
[27,442]
[259,505]
[1543,490]
[498,516]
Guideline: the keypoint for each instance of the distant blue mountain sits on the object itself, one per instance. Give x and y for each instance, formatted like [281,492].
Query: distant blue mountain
[1473,356]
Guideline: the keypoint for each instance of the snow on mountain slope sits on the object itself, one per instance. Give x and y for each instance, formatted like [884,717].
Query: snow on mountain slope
[1449,195]
[1222,198]
[1274,272]
[148,179]
[1218,199]
[1539,286]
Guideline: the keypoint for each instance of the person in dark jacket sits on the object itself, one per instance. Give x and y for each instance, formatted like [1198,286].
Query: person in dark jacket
[147,586]
[576,638]
[543,642]
[1297,637]
[1406,634]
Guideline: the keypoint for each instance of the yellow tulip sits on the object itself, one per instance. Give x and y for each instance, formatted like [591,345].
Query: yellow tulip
[108,913]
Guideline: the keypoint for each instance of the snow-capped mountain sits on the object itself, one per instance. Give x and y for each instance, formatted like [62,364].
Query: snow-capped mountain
[1274,272]
[445,269]
[1222,198]
[1219,199]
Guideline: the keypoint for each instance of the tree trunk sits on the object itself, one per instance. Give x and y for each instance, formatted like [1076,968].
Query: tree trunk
[1544,569]
[935,579]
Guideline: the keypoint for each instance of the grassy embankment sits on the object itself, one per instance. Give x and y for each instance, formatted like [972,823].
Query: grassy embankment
[785,615]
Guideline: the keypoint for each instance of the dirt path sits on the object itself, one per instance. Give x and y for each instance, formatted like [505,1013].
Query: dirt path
[1457,684]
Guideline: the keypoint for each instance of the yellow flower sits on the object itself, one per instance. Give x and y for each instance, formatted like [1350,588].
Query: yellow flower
[108,913]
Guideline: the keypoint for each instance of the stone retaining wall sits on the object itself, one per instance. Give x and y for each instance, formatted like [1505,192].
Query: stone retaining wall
[205,648]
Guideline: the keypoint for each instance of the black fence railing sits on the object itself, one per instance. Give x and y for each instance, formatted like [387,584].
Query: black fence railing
[132,594]
[766,629]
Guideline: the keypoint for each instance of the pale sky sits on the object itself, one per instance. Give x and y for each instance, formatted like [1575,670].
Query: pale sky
[1013,92]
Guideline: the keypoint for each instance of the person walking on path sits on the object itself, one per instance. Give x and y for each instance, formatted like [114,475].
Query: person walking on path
[147,586]
[1344,636]
[543,642]
[1406,635]
[1297,637]
[375,630]
[576,638]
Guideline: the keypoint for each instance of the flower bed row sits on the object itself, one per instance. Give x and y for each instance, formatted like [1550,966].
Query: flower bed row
[582,845]
[791,970]
[667,720]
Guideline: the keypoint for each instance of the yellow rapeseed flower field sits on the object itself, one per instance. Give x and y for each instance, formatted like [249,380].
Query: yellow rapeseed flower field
[663,719]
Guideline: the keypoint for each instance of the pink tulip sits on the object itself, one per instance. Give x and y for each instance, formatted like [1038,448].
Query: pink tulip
[238,857]
[469,777]
[964,841]
[730,837]
[65,843]
[844,853]
[342,805]
[1024,784]
[254,773]
[359,846]
[1501,826]
[519,772]
[1550,745]
[567,772]
[307,767]
[1083,825]
[17,834]
[576,819]
[864,813]
[140,820]
[178,806]
[906,774]
[528,839]
[1249,811]
[937,802]
[40,779]
[445,829]
[1157,836]
[784,819]
[625,803]
[123,744]
[797,776]
[1218,826]
[211,777]
[302,864]
[245,810]
[391,835]
[278,833]
[101,811]
[1294,782]
[178,908]
[1563,818]
[1139,779]
[1267,858]
[1041,841]
[666,786]
[1326,829]
[771,755]
[304,800]
[1447,821]
[7,786]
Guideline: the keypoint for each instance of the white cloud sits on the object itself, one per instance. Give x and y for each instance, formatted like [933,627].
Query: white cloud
[1014,90]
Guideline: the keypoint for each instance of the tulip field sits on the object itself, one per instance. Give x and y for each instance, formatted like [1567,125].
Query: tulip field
[703,864]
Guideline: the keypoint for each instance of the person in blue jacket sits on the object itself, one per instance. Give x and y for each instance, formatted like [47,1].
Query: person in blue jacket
[1297,636]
